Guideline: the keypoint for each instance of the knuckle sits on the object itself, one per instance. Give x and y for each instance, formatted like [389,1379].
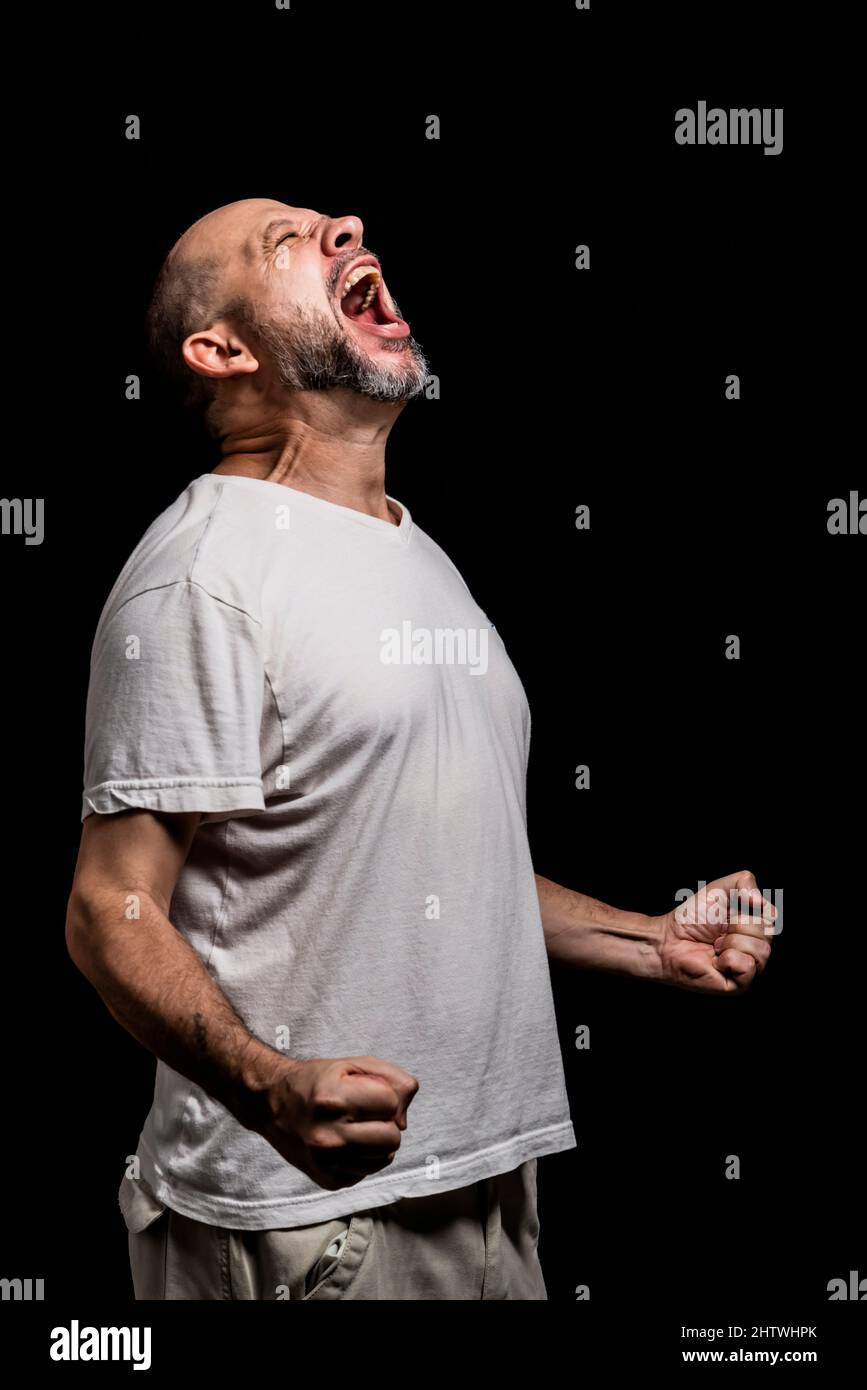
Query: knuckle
[323,1139]
[323,1102]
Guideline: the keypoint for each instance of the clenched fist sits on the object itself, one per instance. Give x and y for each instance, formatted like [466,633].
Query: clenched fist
[718,940]
[338,1119]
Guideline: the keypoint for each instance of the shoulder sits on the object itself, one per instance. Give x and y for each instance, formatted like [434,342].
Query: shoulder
[211,541]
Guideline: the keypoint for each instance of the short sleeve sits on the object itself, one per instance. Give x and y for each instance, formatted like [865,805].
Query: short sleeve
[174,706]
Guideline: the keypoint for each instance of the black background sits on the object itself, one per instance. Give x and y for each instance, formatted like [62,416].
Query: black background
[558,387]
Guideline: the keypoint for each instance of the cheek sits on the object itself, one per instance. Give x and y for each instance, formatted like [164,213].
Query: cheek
[296,283]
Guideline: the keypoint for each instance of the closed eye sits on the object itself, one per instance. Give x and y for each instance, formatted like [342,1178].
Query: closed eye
[285,238]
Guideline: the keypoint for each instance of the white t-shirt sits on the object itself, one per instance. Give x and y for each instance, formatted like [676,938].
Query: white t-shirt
[322,685]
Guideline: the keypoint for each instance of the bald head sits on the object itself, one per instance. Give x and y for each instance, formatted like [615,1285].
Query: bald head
[258,276]
[194,286]
[235,230]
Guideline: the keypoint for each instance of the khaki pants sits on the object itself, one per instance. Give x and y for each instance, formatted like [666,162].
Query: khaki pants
[475,1242]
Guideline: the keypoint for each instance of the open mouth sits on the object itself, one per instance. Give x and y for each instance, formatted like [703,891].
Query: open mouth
[365,302]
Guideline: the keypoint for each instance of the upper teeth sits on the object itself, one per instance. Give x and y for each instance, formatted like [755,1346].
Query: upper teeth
[358,274]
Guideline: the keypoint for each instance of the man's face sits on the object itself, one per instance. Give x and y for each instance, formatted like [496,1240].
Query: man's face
[317,297]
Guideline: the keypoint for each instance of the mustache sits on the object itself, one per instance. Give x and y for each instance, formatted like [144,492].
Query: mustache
[340,265]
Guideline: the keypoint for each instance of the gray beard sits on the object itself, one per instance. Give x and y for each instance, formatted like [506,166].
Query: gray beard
[310,353]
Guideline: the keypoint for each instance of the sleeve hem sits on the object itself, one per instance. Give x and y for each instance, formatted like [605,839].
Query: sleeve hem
[241,796]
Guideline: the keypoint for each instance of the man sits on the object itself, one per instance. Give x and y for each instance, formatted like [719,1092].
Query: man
[304,881]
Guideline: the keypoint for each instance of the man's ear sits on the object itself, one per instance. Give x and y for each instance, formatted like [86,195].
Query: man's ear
[219,353]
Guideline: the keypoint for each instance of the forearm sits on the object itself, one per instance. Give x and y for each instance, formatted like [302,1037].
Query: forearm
[590,935]
[157,987]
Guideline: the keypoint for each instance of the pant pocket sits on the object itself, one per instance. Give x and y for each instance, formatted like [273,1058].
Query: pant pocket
[139,1207]
[532,1201]
[147,1222]
[327,1258]
[337,1269]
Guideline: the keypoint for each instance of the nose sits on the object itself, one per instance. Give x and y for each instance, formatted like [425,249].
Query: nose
[342,234]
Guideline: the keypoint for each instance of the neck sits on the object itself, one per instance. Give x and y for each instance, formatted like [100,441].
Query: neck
[328,443]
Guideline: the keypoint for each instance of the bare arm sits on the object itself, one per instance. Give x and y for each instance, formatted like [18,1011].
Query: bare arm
[336,1119]
[715,941]
[584,932]
[149,977]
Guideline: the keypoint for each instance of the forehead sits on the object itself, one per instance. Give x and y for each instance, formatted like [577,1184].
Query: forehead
[245,228]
